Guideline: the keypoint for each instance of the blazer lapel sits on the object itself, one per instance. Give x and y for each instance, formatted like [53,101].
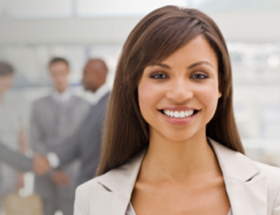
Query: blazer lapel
[120,182]
[247,190]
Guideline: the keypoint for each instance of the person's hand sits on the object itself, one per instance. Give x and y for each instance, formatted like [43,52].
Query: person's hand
[41,165]
[20,181]
[60,178]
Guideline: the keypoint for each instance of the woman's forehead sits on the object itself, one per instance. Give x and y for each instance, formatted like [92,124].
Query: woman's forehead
[197,49]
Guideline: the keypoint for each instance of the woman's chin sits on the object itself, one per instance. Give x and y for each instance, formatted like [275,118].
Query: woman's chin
[179,137]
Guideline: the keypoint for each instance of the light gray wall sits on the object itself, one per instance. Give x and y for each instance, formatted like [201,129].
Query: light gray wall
[235,27]
[66,31]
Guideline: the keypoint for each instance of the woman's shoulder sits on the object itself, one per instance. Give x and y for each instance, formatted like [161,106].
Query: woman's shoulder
[89,187]
[268,169]
[238,163]
[87,196]
[238,166]
[272,173]
[92,195]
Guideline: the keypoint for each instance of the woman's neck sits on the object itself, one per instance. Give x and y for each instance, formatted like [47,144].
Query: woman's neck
[176,161]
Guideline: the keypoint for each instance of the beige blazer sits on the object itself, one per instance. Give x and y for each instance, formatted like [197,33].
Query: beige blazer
[253,188]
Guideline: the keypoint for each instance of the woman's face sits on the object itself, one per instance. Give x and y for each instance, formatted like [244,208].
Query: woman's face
[179,95]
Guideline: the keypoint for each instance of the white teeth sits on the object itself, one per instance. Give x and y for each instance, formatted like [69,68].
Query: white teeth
[182,114]
[179,114]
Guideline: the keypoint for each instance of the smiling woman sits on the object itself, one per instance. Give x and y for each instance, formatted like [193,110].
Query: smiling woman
[171,145]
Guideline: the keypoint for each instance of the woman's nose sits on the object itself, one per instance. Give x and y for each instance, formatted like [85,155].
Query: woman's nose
[180,91]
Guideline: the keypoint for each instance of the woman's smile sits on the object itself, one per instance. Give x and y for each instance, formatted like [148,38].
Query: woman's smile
[179,115]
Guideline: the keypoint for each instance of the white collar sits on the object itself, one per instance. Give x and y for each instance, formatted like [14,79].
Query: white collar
[62,97]
[100,92]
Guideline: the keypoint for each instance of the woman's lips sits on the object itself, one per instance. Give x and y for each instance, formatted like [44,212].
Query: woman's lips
[179,117]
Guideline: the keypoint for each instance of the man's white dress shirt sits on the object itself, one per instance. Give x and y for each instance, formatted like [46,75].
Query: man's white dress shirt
[52,157]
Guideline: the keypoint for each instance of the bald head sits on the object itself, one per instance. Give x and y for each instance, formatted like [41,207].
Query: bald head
[95,73]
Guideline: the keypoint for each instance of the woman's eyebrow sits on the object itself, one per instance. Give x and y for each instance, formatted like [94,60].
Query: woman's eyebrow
[163,65]
[190,67]
[199,63]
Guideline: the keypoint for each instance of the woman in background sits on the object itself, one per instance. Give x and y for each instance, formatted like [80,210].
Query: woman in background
[171,145]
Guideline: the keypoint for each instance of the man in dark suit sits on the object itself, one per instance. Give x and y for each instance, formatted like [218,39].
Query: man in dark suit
[85,144]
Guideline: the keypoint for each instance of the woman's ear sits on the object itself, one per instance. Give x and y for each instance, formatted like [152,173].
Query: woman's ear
[220,94]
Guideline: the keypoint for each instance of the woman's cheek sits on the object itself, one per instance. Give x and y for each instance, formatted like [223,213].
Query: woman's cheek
[210,99]
[145,95]
[149,95]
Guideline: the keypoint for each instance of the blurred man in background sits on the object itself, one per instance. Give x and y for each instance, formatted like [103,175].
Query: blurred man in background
[53,120]
[86,143]
[12,128]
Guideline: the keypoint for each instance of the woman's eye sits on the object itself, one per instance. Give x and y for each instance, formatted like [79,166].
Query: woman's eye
[159,76]
[199,76]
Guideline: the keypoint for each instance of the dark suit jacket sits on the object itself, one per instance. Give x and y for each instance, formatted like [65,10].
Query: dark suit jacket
[85,144]
[15,159]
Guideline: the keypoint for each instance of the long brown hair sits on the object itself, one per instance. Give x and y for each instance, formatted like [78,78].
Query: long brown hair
[153,39]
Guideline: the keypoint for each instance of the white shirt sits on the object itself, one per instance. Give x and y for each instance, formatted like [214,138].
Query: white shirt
[100,92]
[130,210]
[62,97]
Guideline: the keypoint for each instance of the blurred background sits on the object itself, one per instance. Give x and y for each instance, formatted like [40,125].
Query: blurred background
[34,31]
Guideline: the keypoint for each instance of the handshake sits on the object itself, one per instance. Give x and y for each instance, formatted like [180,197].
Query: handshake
[41,166]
